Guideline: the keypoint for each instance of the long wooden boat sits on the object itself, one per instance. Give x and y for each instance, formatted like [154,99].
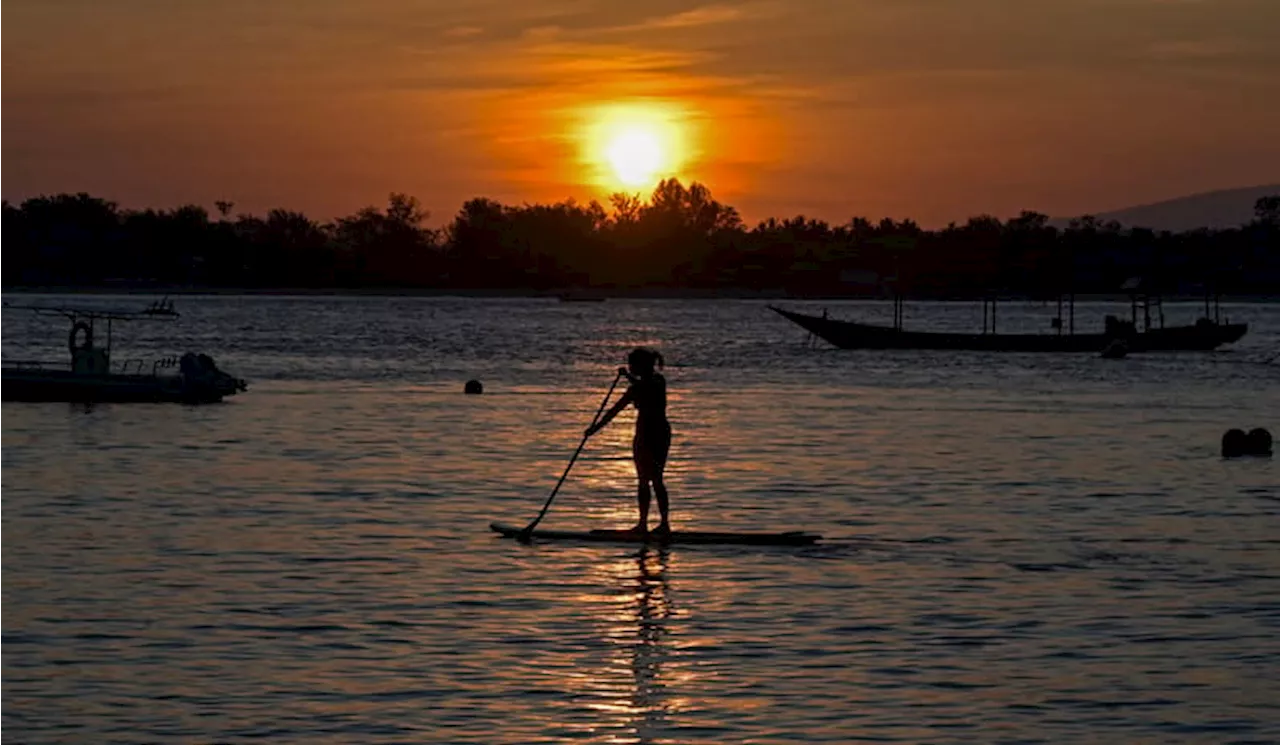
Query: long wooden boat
[1205,334]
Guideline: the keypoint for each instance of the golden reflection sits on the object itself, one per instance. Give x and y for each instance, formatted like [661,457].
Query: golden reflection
[611,480]
[637,626]
[651,609]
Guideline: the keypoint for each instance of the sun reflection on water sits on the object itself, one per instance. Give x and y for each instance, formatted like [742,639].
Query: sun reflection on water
[636,624]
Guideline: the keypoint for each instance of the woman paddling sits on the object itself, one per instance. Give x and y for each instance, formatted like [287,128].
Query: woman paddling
[648,391]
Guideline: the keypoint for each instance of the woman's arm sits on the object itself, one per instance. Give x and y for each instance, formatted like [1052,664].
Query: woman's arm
[613,411]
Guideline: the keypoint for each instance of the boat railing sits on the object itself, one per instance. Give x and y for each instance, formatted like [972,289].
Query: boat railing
[139,366]
[131,367]
[28,364]
[163,362]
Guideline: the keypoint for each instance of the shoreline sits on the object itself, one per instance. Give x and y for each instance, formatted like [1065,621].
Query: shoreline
[590,295]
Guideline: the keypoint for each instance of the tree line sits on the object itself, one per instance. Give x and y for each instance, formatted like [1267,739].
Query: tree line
[680,237]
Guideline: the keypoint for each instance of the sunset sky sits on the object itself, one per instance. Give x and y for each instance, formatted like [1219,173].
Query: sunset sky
[930,109]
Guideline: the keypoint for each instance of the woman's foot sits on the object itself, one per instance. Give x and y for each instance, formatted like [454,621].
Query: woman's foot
[638,529]
[663,530]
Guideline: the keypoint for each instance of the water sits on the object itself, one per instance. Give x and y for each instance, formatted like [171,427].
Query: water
[1019,548]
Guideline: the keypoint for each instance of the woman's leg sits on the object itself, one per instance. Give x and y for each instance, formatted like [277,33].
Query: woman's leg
[641,459]
[642,501]
[657,469]
[660,490]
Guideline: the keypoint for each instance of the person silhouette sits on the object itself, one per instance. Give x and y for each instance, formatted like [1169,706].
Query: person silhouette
[652,441]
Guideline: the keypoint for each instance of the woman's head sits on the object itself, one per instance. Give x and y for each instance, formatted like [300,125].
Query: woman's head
[642,361]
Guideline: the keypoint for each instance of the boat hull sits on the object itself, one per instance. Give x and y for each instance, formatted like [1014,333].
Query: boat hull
[852,335]
[64,385]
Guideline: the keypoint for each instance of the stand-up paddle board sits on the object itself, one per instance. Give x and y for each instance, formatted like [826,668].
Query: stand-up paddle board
[675,537]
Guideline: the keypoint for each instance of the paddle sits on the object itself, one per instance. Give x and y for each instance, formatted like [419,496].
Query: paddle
[524,534]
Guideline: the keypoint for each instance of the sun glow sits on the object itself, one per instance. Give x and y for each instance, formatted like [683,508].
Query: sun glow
[633,146]
[635,155]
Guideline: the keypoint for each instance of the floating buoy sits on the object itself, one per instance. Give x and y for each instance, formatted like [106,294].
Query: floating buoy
[1234,443]
[1258,442]
[474,387]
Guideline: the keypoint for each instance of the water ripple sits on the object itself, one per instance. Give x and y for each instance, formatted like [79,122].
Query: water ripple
[1020,548]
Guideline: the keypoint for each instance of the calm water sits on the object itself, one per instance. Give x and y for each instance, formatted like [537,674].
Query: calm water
[1020,548]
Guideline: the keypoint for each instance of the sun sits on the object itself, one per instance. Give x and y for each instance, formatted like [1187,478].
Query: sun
[635,154]
[632,146]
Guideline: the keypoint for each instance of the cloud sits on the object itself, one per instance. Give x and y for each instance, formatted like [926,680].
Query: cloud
[581,58]
[700,17]
[463,32]
[1192,50]
[704,16]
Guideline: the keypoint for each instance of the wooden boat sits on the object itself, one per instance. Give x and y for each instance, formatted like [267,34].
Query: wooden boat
[1205,334]
[677,537]
[90,378]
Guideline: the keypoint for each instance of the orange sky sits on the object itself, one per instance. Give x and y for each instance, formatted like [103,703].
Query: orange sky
[931,109]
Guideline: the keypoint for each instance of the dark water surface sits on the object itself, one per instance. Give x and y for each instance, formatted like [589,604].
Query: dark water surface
[1020,548]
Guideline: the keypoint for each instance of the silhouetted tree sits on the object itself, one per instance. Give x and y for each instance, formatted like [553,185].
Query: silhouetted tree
[64,238]
[1267,209]
[479,244]
[679,237]
[626,208]
[387,249]
[1032,247]
[287,249]
[19,253]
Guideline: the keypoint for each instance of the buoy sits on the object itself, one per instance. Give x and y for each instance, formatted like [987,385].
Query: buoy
[1258,442]
[1233,443]
[474,387]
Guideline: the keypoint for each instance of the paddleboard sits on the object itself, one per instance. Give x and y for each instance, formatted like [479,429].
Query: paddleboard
[676,537]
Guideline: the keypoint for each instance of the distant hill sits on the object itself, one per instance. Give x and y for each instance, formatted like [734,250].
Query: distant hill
[1228,208]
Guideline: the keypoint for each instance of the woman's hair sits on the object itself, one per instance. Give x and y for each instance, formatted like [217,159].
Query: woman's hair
[643,358]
